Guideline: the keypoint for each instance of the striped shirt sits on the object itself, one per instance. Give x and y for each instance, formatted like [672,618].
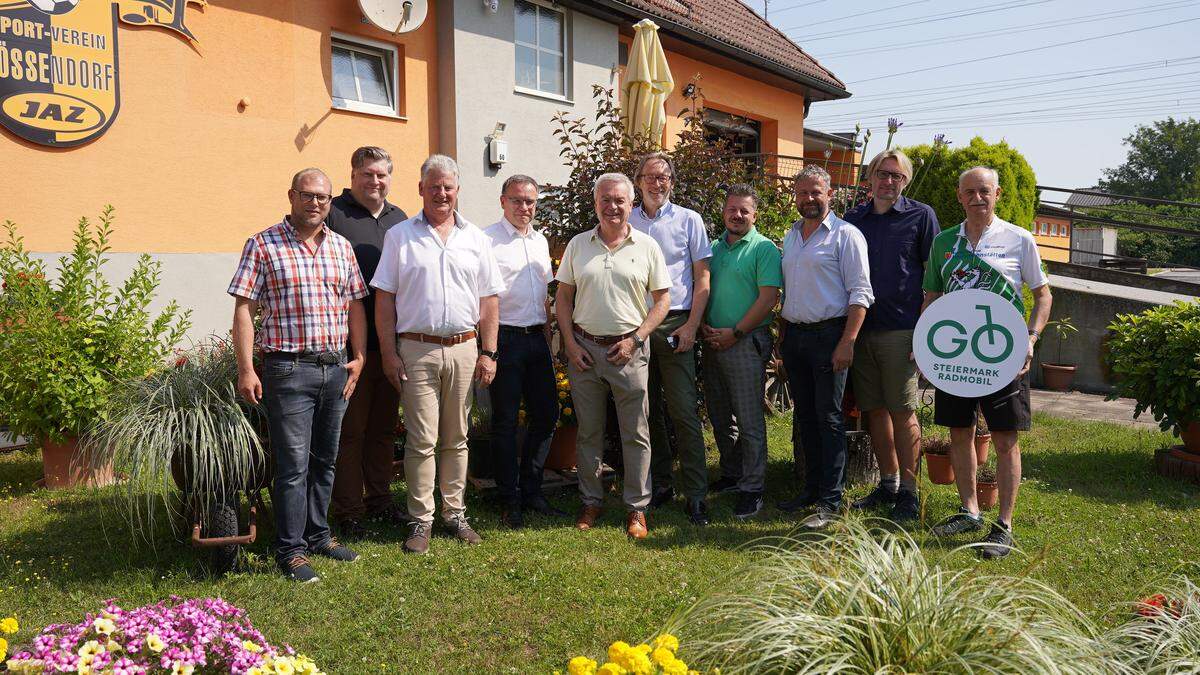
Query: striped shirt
[304,294]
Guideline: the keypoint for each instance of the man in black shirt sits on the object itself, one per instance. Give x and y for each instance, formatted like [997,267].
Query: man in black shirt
[362,215]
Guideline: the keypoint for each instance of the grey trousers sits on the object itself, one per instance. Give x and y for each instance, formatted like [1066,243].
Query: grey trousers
[589,393]
[734,380]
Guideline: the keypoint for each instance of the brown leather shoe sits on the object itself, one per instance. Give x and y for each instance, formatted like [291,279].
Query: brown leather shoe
[635,525]
[587,517]
[418,538]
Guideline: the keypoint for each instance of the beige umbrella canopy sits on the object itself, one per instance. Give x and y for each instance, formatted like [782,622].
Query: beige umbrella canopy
[648,82]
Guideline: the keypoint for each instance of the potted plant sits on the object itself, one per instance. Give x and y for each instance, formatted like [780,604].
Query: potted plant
[937,460]
[1154,358]
[67,340]
[1058,375]
[985,487]
[562,455]
[983,439]
[186,440]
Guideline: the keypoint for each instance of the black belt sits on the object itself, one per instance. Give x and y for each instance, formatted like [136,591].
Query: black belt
[526,330]
[818,325]
[325,358]
[677,312]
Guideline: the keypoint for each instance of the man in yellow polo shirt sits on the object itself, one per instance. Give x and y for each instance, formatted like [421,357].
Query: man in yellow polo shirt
[604,278]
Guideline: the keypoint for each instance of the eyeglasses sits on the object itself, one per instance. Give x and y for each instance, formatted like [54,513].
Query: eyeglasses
[657,177]
[890,175]
[317,197]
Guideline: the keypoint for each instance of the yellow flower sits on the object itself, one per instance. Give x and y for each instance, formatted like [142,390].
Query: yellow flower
[643,648]
[82,668]
[668,642]
[611,669]
[3,648]
[675,667]
[255,671]
[104,626]
[568,411]
[90,649]
[662,656]
[154,643]
[581,665]
[284,666]
[251,646]
[617,649]
[9,626]
[179,668]
[563,395]
[112,646]
[636,661]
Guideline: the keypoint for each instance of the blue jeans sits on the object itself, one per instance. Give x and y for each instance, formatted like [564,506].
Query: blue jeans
[525,371]
[817,413]
[304,403]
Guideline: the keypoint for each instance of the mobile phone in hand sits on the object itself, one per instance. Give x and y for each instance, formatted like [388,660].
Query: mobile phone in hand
[673,341]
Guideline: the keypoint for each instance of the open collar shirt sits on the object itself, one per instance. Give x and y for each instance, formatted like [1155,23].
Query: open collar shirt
[826,274]
[681,235]
[898,242]
[438,285]
[304,292]
[524,262]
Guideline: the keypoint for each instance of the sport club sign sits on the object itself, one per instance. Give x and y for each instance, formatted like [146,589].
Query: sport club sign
[970,342]
[59,71]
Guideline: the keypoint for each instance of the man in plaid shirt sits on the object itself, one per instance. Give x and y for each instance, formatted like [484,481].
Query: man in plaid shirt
[305,279]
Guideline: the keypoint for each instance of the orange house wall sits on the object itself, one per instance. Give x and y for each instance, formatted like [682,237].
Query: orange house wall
[840,165]
[189,173]
[1044,240]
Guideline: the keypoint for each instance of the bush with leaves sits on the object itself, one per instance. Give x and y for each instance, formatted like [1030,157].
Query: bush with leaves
[66,343]
[1154,358]
[936,182]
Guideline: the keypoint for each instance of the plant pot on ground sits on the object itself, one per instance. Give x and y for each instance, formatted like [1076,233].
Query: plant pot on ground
[937,461]
[1191,437]
[985,487]
[1057,375]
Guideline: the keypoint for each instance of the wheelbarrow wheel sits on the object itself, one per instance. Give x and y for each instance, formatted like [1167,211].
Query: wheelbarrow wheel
[221,521]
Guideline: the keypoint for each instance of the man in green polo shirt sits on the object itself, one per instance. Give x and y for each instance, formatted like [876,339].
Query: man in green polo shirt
[746,275]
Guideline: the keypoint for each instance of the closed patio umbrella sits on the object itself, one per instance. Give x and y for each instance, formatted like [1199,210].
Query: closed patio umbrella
[648,82]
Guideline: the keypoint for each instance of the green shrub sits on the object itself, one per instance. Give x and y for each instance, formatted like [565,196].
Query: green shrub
[65,343]
[936,182]
[1154,358]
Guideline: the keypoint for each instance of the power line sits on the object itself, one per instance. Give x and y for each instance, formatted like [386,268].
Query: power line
[1093,192]
[916,21]
[855,16]
[1029,50]
[1049,120]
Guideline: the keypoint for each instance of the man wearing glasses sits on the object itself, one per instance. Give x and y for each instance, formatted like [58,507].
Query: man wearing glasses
[681,236]
[899,232]
[304,278]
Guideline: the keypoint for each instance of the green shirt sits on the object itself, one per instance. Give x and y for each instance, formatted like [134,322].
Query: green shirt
[738,272]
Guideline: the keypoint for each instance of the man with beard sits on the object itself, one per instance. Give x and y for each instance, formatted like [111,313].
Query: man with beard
[827,290]
[899,232]
[746,277]
[363,215]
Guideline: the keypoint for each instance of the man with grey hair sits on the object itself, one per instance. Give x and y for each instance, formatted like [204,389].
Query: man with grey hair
[681,235]
[827,290]
[436,314]
[363,215]
[604,279]
[525,371]
[989,253]
[899,232]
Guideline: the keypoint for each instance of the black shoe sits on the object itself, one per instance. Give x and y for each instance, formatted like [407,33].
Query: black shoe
[959,523]
[511,516]
[798,503]
[661,496]
[697,512]
[545,508]
[723,485]
[334,549]
[878,497]
[297,568]
[907,508]
[748,504]
[351,528]
[997,544]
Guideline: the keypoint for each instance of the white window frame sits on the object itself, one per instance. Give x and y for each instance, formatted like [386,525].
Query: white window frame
[564,95]
[391,57]
[1063,230]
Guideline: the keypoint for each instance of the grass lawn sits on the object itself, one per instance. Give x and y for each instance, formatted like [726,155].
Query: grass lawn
[1095,521]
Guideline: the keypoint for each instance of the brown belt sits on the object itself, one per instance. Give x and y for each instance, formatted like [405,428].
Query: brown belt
[604,340]
[438,339]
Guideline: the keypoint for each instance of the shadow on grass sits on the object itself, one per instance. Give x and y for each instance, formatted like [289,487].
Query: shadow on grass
[1110,476]
[19,469]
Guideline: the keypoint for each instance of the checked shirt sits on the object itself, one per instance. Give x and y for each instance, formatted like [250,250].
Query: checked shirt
[304,294]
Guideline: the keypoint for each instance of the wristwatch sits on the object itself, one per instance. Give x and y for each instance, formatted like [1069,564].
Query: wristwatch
[738,333]
[638,341]
[491,355]
[1035,333]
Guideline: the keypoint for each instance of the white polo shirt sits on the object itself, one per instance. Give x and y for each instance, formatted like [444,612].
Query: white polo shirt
[524,262]
[437,285]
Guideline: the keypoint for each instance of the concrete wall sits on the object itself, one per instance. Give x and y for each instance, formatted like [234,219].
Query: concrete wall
[479,63]
[1130,279]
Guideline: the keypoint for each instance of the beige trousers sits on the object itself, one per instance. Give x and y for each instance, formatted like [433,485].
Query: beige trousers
[589,393]
[436,399]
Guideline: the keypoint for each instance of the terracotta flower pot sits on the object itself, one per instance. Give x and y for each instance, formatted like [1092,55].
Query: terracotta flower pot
[939,468]
[1057,377]
[65,466]
[986,495]
[1191,437]
[562,455]
[983,443]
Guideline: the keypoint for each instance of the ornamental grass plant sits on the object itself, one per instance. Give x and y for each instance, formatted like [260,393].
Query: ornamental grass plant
[862,599]
[1164,636]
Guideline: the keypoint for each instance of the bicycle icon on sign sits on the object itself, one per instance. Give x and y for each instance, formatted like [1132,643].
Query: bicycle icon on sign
[960,342]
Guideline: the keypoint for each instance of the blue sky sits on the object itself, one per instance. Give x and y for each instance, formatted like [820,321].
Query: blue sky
[1066,107]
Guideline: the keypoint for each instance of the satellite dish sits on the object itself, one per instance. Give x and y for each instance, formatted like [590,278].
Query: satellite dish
[395,16]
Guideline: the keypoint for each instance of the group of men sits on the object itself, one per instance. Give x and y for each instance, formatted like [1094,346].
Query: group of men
[450,306]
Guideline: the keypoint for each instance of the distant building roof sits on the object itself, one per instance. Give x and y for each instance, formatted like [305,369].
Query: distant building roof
[841,139]
[1090,200]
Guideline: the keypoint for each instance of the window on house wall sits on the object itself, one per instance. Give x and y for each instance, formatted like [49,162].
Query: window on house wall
[1063,231]
[365,75]
[541,48]
[1044,228]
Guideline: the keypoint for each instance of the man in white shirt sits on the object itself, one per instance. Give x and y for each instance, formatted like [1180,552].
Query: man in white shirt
[437,302]
[826,293]
[525,371]
[684,242]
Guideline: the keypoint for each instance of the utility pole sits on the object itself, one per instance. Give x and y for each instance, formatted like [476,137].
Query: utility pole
[766,9]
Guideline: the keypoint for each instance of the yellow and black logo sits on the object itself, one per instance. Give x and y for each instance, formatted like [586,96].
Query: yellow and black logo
[59,72]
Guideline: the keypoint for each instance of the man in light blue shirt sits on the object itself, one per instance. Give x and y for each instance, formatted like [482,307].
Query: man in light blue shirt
[684,242]
[826,293]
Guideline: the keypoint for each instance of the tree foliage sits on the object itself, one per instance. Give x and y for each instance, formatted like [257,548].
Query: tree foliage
[1163,162]
[936,180]
[1159,249]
